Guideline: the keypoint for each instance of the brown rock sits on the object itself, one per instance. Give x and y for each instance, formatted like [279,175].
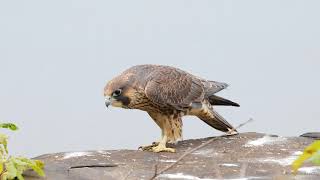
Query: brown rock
[245,156]
[314,135]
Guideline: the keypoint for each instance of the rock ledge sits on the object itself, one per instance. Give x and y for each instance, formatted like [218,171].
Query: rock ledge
[244,156]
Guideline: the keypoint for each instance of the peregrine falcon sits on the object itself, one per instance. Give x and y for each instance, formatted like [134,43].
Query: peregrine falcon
[167,94]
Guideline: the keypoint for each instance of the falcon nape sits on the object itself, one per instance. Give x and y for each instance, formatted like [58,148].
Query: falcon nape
[167,94]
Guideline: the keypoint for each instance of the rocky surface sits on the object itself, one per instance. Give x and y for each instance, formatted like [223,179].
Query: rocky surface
[244,156]
[314,135]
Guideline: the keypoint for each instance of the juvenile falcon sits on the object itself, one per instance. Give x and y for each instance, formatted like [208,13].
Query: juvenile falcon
[167,94]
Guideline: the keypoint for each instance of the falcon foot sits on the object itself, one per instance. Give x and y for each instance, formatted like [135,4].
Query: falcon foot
[162,148]
[148,147]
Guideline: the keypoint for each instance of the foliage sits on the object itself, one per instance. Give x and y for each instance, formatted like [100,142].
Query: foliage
[10,126]
[12,167]
[311,152]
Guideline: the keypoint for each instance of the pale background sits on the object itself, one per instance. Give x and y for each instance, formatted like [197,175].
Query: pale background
[55,58]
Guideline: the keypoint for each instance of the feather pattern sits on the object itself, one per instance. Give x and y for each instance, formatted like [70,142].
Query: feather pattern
[167,94]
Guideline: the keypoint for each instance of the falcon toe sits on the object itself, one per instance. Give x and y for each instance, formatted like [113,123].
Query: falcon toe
[148,147]
[161,148]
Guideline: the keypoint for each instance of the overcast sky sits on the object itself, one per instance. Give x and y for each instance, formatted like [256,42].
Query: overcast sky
[56,57]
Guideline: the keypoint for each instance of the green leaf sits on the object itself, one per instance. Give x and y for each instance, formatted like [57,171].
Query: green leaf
[309,152]
[1,167]
[316,158]
[35,165]
[20,166]
[10,126]
[4,143]
[39,163]
[13,167]
[20,177]
[11,171]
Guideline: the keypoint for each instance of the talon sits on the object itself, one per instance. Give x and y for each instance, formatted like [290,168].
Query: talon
[148,147]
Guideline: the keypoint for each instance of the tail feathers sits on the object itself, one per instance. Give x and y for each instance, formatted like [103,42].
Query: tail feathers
[218,122]
[216,100]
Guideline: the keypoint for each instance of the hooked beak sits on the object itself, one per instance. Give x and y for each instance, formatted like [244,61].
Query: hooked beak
[107,101]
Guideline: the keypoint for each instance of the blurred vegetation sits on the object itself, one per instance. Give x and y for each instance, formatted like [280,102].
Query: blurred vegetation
[12,167]
[310,153]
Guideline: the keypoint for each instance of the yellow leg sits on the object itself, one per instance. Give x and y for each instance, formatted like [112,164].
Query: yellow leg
[161,147]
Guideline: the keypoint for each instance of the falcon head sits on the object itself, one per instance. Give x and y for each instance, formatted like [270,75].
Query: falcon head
[117,92]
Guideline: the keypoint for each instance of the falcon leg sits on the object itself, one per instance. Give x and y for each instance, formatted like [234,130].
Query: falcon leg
[161,147]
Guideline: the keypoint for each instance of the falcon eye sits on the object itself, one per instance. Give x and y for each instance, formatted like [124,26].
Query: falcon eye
[117,92]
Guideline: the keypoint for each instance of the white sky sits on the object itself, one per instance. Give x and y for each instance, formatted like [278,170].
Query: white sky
[56,56]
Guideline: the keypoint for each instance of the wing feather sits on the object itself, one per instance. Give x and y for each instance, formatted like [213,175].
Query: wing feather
[173,87]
